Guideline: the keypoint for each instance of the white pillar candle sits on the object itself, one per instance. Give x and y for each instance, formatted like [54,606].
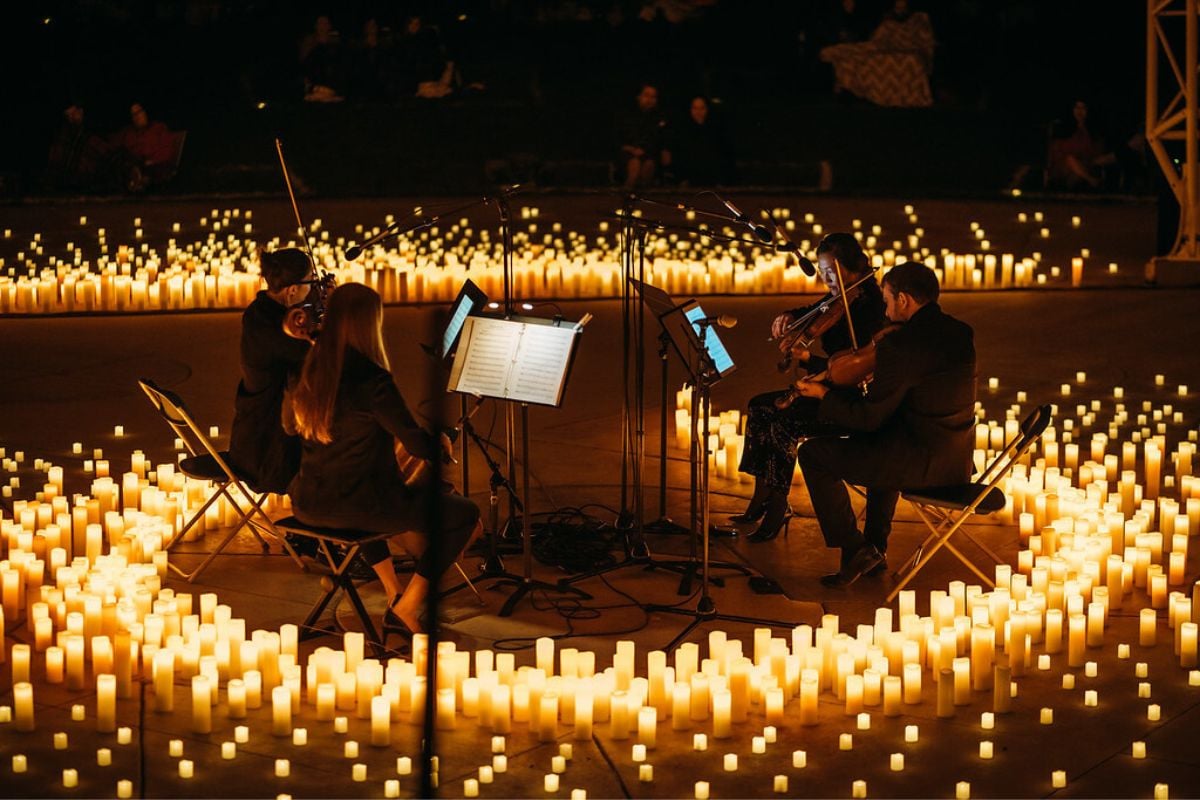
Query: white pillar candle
[106,703]
[896,761]
[23,719]
[722,727]
[381,731]
[1148,627]
[283,768]
[646,773]
[701,790]
[281,711]
[648,727]
[550,783]
[986,749]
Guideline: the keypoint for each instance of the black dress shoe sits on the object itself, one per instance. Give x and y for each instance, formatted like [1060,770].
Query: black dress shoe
[865,559]
[878,569]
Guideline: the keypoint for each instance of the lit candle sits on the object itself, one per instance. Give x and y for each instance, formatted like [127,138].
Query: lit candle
[23,719]
[106,703]
[281,711]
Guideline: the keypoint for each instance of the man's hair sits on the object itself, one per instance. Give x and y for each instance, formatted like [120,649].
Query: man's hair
[283,268]
[846,250]
[914,279]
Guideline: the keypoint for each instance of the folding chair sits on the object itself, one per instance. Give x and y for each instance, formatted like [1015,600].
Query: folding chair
[336,550]
[205,462]
[945,509]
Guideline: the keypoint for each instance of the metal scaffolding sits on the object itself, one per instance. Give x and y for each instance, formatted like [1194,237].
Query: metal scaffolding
[1177,120]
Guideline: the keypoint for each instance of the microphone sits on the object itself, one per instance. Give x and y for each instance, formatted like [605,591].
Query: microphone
[719,320]
[353,252]
[761,231]
[806,265]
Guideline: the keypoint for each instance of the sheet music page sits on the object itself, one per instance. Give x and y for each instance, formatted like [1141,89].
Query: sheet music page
[540,364]
[485,357]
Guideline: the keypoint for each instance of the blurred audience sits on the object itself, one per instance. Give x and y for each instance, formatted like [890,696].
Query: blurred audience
[425,68]
[1078,155]
[374,68]
[893,67]
[148,150]
[322,63]
[702,154]
[643,151]
[80,159]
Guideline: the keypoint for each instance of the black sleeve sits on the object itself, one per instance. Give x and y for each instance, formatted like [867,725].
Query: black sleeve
[849,408]
[392,412]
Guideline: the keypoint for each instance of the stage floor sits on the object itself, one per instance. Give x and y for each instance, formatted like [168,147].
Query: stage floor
[73,379]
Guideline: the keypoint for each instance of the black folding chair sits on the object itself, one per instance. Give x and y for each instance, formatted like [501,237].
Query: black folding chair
[945,509]
[205,462]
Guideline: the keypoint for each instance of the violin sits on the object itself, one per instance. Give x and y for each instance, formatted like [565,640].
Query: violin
[801,334]
[303,320]
[845,368]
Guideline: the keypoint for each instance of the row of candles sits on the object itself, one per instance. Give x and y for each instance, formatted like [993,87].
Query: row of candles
[221,271]
[100,619]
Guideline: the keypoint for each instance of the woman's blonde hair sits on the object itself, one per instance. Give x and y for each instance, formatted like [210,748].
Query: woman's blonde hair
[353,319]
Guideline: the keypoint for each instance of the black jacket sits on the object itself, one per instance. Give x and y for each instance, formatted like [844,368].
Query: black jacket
[258,446]
[920,406]
[356,474]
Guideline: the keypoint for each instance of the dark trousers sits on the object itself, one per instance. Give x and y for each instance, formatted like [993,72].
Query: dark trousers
[828,465]
[772,435]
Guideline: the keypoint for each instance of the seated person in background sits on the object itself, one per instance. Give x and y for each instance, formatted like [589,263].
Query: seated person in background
[79,158]
[148,146]
[772,432]
[351,416]
[893,67]
[322,64]
[1077,155]
[426,69]
[913,428]
[642,148]
[373,65]
[259,448]
[702,153]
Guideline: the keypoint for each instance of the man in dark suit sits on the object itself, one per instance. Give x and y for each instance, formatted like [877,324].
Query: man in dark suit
[916,423]
[259,448]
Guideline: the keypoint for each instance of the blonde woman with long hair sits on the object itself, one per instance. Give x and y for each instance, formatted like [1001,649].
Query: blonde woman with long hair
[350,414]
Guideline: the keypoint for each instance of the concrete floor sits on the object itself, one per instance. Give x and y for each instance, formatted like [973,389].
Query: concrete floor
[73,379]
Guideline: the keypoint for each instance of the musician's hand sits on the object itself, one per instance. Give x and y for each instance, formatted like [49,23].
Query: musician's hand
[779,324]
[811,386]
[801,354]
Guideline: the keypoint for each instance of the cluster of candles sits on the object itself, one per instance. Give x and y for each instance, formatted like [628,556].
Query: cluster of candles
[1105,508]
[220,270]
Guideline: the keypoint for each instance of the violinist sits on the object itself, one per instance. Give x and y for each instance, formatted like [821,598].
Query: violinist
[913,427]
[271,358]
[776,421]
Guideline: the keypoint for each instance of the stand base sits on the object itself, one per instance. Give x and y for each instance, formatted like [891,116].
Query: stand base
[706,611]
[525,586]
[665,526]
[691,569]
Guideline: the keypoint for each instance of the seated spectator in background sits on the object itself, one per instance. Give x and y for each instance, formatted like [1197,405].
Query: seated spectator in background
[148,148]
[1077,155]
[322,63]
[701,152]
[843,22]
[643,152]
[893,67]
[79,158]
[426,70]
[373,65]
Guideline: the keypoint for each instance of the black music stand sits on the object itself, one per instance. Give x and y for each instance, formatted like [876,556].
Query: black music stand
[522,361]
[706,361]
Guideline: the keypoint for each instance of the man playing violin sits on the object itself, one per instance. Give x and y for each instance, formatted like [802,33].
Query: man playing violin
[913,427]
[259,448]
[777,421]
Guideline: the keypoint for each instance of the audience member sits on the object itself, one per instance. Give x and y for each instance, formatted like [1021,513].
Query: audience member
[1078,154]
[148,148]
[79,158]
[893,67]
[425,68]
[373,65]
[322,63]
[643,152]
[843,22]
[701,150]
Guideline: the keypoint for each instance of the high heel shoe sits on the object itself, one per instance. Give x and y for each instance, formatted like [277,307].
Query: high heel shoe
[392,622]
[755,509]
[778,516]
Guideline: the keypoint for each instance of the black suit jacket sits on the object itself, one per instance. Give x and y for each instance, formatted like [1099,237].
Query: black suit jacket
[258,446]
[919,411]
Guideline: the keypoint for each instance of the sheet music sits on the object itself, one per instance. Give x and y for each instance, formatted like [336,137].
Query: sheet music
[513,360]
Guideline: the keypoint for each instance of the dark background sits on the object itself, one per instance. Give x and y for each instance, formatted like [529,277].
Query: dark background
[555,85]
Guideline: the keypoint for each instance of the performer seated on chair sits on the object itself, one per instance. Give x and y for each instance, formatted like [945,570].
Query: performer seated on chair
[350,414]
[772,433]
[259,448]
[914,425]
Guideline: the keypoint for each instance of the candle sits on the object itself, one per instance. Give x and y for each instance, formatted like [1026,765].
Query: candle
[896,762]
[281,711]
[1058,779]
[645,773]
[358,773]
[647,727]
[381,732]
[23,719]
[106,703]
[701,790]
[1148,627]
[187,769]
[550,783]
[283,768]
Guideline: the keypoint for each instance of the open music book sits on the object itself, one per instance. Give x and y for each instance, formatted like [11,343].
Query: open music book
[526,360]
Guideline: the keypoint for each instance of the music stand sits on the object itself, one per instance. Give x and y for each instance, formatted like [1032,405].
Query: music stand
[707,362]
[522,361]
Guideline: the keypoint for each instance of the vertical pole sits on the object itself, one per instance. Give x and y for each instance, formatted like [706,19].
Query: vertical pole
[1190,205]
